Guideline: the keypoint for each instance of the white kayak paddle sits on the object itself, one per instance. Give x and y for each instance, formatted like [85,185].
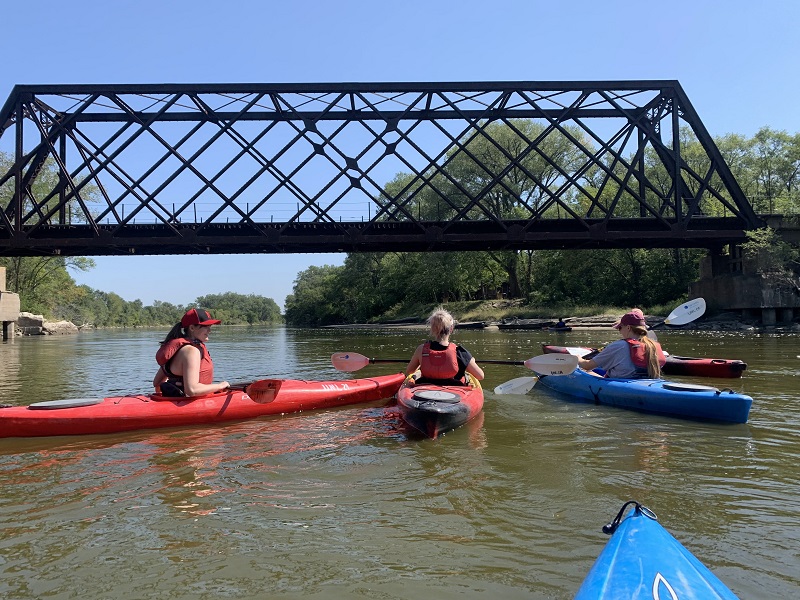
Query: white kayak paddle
[546,364]
[687,312]
[520,385]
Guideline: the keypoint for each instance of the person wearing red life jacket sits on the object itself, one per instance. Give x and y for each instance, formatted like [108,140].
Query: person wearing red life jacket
[439,360]
[185,366]
[634,356]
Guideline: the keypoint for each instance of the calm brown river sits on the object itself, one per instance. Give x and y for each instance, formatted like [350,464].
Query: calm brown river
[344,504]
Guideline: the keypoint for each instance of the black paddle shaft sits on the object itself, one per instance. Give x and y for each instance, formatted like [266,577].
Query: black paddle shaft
[488,362]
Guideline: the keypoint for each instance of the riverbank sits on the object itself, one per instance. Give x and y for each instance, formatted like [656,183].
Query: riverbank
[511,314]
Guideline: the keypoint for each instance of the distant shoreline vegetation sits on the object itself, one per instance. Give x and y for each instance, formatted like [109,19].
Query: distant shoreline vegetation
[90,308]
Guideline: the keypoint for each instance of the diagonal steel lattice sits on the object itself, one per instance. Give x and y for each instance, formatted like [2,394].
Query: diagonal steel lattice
[215,168]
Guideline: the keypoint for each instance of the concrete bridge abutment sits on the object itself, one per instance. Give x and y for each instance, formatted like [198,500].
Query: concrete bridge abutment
[9,307]
[730,282]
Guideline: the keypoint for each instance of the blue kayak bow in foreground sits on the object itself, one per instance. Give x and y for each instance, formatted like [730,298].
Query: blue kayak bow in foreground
[643,561]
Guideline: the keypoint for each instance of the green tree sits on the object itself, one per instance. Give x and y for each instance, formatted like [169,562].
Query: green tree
[315,300]
[776,260]
[42,282]
[231,307]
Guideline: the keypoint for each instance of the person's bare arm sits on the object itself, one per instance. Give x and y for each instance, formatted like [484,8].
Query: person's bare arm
[415,361]
[474,370]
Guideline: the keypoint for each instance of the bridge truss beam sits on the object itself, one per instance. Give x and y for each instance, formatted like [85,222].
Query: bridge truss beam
[251,168]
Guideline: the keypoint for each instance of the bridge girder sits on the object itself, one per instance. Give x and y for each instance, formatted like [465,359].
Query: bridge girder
[271,168]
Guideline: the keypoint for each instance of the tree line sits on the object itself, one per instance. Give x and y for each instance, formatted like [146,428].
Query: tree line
[766,166]
[46,287]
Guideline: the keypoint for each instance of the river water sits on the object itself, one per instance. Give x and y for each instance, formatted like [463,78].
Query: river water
[346,504]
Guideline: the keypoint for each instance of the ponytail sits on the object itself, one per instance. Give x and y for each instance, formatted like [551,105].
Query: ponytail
[653,366]
[176,332]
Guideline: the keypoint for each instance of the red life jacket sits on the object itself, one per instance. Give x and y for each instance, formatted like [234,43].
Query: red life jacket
[439,364]
[639,354]
[168,350]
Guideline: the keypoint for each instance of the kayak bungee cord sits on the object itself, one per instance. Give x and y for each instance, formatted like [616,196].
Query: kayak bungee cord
[610,528]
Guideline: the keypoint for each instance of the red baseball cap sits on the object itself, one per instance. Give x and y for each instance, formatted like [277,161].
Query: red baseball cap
[634,317]
[198,316]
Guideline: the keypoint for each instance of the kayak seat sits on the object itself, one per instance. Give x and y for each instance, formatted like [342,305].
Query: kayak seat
[436,396]
[689,387]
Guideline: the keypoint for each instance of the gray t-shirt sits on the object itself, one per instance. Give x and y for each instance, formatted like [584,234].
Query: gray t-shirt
[616,360]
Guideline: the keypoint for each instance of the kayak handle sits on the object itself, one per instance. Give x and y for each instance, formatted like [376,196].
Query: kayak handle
[610,528]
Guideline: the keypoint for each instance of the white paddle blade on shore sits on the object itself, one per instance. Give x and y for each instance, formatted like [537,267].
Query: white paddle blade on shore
[687,312]
[348,361]
[553,364]
[520,385]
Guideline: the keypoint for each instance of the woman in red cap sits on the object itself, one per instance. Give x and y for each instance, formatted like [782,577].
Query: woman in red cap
[634,356]
[185,366]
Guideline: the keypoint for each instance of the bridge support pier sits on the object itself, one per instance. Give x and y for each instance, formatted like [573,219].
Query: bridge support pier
[9,307]
[729,282]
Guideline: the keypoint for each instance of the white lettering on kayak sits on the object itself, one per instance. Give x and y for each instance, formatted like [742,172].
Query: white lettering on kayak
[335,387]
[660,583]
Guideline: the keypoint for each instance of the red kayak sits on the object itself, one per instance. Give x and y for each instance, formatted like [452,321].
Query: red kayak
[126,413]
[437,409]
[676,365]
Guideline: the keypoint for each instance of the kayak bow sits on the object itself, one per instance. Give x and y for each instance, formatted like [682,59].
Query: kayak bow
[643,561]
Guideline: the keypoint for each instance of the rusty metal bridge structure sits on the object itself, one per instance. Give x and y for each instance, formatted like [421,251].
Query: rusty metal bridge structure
[360,167]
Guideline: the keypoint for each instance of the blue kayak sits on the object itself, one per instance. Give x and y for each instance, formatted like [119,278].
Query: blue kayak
[653,396]
[643,561]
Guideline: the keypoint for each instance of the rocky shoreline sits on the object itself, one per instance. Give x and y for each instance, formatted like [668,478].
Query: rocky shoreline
[30,324]
[720,322]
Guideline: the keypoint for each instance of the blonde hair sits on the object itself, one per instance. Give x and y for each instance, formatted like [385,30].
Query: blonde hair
[441,323]
[653,366]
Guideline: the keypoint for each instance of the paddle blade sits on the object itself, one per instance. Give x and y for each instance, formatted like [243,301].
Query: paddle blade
[581,352]
[553,364]
[687,312]
[520,385]
[264,391]
[348,361]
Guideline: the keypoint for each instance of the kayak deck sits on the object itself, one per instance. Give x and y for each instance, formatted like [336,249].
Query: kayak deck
[437,409]
[128,413]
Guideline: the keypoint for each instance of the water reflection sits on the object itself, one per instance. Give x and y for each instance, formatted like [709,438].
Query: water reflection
[348,503]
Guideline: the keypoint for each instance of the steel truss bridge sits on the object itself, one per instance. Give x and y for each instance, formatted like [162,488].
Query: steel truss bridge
[360,167]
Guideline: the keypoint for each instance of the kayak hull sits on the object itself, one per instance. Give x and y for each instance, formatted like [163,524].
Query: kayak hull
[722,368]
[653,396]
[642,560]
[437,409]
[129,413]
[704,367]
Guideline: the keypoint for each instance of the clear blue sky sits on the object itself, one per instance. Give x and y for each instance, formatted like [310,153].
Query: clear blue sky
[738,60]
